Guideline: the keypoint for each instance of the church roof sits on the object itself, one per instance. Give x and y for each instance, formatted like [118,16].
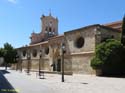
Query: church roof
[116,25]
[45,42]
[113,23]
[95,25]
[57,36]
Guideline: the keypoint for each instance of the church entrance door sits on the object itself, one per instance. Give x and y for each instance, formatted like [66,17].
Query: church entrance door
[57,65]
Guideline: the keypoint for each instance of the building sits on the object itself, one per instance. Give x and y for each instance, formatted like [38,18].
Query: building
[45,49]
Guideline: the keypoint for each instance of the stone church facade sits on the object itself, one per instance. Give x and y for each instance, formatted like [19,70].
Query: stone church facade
[45,49]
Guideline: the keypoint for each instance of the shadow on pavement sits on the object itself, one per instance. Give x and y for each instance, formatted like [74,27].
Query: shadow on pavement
[5,86]
[112,76]
[4,71]
[85,83]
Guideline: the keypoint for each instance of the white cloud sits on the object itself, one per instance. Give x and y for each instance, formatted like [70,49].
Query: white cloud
[12,1]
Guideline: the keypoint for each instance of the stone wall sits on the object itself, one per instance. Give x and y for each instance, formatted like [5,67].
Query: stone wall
[81,64]
[81,57]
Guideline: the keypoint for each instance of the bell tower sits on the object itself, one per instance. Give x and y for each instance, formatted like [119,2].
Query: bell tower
[49,26]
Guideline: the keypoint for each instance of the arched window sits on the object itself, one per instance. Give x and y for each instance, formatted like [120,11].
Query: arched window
[24,53]
[50,29]
[46,29]
[47,50]
[34,53]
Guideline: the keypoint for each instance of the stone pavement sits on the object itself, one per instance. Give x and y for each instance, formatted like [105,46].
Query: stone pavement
[24,83]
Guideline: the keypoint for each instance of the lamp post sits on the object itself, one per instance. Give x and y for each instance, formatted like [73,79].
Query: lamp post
[21,65]
[63,51]
[28,65]
[40,55]
[17,59]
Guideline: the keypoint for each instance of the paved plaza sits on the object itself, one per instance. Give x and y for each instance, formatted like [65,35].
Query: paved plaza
[23,83]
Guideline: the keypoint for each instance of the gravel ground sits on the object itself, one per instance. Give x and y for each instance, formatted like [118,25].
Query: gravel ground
[24,83]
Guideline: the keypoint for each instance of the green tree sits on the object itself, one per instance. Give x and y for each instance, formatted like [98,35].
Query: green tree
[109,57]
[1,52]
[123,32]
[9,54]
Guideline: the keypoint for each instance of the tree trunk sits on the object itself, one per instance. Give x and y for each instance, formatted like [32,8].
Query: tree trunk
[6,66]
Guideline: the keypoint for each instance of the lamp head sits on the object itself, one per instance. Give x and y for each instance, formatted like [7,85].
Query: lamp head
[40,53]
[63,48]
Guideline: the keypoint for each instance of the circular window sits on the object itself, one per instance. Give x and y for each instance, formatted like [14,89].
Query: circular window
[24,53]
[47,50]
[34,53]
[79,42]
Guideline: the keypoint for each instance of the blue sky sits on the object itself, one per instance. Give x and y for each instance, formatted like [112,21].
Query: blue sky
[18,18]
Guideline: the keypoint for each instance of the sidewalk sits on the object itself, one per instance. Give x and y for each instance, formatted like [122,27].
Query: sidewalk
[73,84]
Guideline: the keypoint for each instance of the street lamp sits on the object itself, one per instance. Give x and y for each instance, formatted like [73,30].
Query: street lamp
[40,55]
[21,64]
[63,51]
[17,60]
[28,65]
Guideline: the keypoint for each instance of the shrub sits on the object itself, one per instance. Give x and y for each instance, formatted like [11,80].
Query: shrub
[109,57]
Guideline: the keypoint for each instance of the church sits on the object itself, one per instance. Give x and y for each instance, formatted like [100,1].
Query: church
[77,47]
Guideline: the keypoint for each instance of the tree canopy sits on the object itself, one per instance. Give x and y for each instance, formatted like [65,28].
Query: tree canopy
[1,52]
[123,31]
[109,57]
[8,53]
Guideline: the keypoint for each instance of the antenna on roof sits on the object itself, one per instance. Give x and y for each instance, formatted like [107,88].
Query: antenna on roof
[49,12]
[33,31]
